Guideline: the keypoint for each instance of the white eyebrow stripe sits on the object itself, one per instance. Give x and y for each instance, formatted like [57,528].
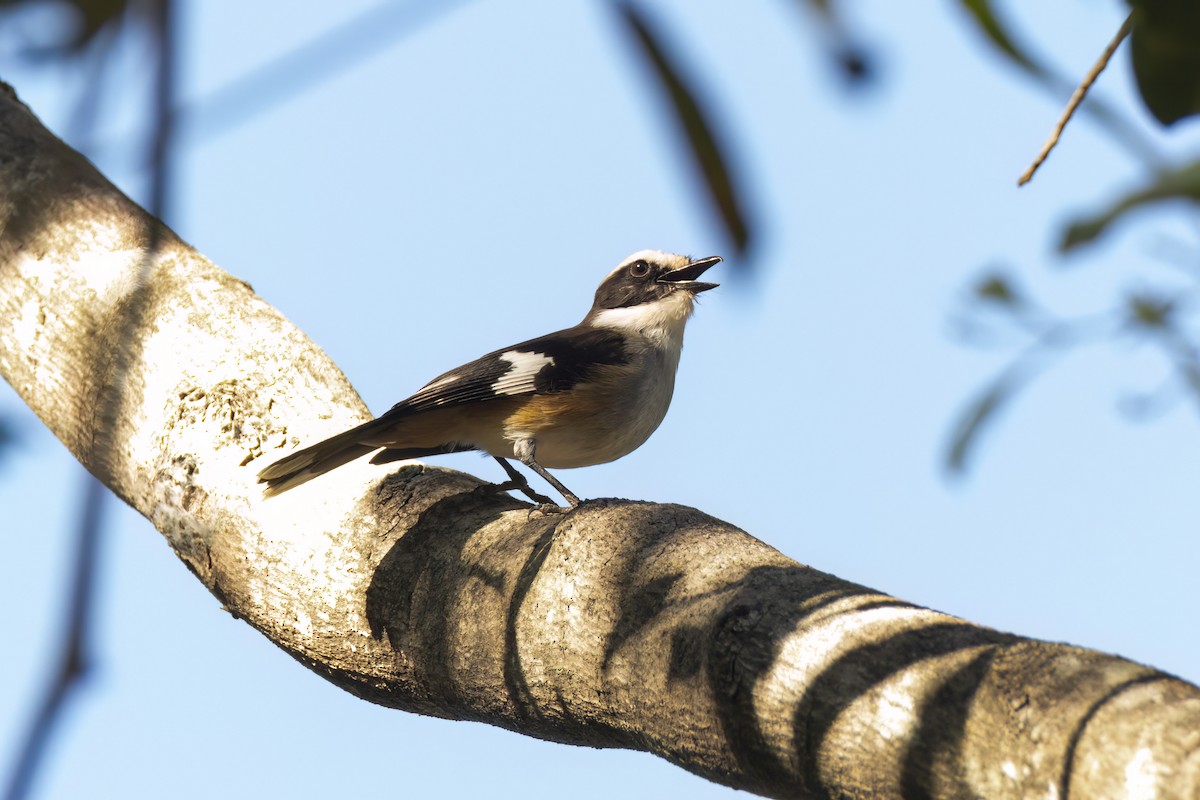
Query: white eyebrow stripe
[653,256]
[522,373]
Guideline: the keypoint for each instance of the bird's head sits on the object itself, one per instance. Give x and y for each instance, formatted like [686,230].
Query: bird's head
[649,289]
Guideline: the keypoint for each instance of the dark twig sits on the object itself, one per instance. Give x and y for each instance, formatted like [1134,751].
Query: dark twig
[73,658]
[308,65]
[72,661]
[292,74]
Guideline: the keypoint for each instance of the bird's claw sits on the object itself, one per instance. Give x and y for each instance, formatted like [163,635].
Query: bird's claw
[524,488]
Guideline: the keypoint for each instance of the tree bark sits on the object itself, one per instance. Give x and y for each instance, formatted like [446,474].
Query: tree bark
[620,624]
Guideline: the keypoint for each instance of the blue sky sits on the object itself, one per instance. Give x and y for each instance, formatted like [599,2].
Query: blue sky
[469,185]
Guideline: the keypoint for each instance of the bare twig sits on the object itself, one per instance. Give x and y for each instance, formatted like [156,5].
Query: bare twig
[1076,99]
[73,661]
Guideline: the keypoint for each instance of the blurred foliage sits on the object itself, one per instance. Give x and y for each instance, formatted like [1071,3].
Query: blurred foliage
[1164,44]
[8,437]
[1179,184]
[1165,51]
[980,411]
[88,18]
[694,122]
[997,311]
[990,25]
[997,32]
[853,61]
[1166,56]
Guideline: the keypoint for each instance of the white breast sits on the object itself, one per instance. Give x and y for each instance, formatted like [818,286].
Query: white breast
[648,405]
[618,419]
[628,409]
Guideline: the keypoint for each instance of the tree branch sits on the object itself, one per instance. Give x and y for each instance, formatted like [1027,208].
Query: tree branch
[619,624]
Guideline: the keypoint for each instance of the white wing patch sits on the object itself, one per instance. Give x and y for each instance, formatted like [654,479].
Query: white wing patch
[521,376]
[430,390]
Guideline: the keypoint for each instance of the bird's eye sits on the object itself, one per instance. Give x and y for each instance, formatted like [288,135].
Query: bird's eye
[639,269]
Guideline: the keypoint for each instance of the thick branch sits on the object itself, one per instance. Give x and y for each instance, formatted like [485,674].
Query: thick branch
[619,624]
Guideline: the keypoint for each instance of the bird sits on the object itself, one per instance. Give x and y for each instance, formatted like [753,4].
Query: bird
[581,396]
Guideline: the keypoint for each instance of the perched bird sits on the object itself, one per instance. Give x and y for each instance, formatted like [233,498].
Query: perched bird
[582,396]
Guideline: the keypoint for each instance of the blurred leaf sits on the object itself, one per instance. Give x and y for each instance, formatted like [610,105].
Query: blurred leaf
[980,412]
[90,17]
[1191,374]
[1147,311]
[694,121]
[1112,121]
[981,11]
[1166,56]
[854,63]
[853,60]
[997,288]
[93,16]
[8,438]
[1182,183]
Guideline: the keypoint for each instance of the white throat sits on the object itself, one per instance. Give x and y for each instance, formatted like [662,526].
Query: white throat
[661,321]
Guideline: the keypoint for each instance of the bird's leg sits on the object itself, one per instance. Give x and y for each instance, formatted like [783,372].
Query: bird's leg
[553,481]
[518,482]
[526,451]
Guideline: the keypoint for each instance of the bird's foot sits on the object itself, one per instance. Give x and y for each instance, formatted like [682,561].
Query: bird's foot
[550,508]
[524,488]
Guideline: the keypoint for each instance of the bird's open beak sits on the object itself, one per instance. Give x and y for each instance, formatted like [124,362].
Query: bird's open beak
[685,277]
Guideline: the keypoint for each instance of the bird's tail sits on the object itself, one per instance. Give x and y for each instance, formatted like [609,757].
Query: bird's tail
[304,465]
[311,462]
